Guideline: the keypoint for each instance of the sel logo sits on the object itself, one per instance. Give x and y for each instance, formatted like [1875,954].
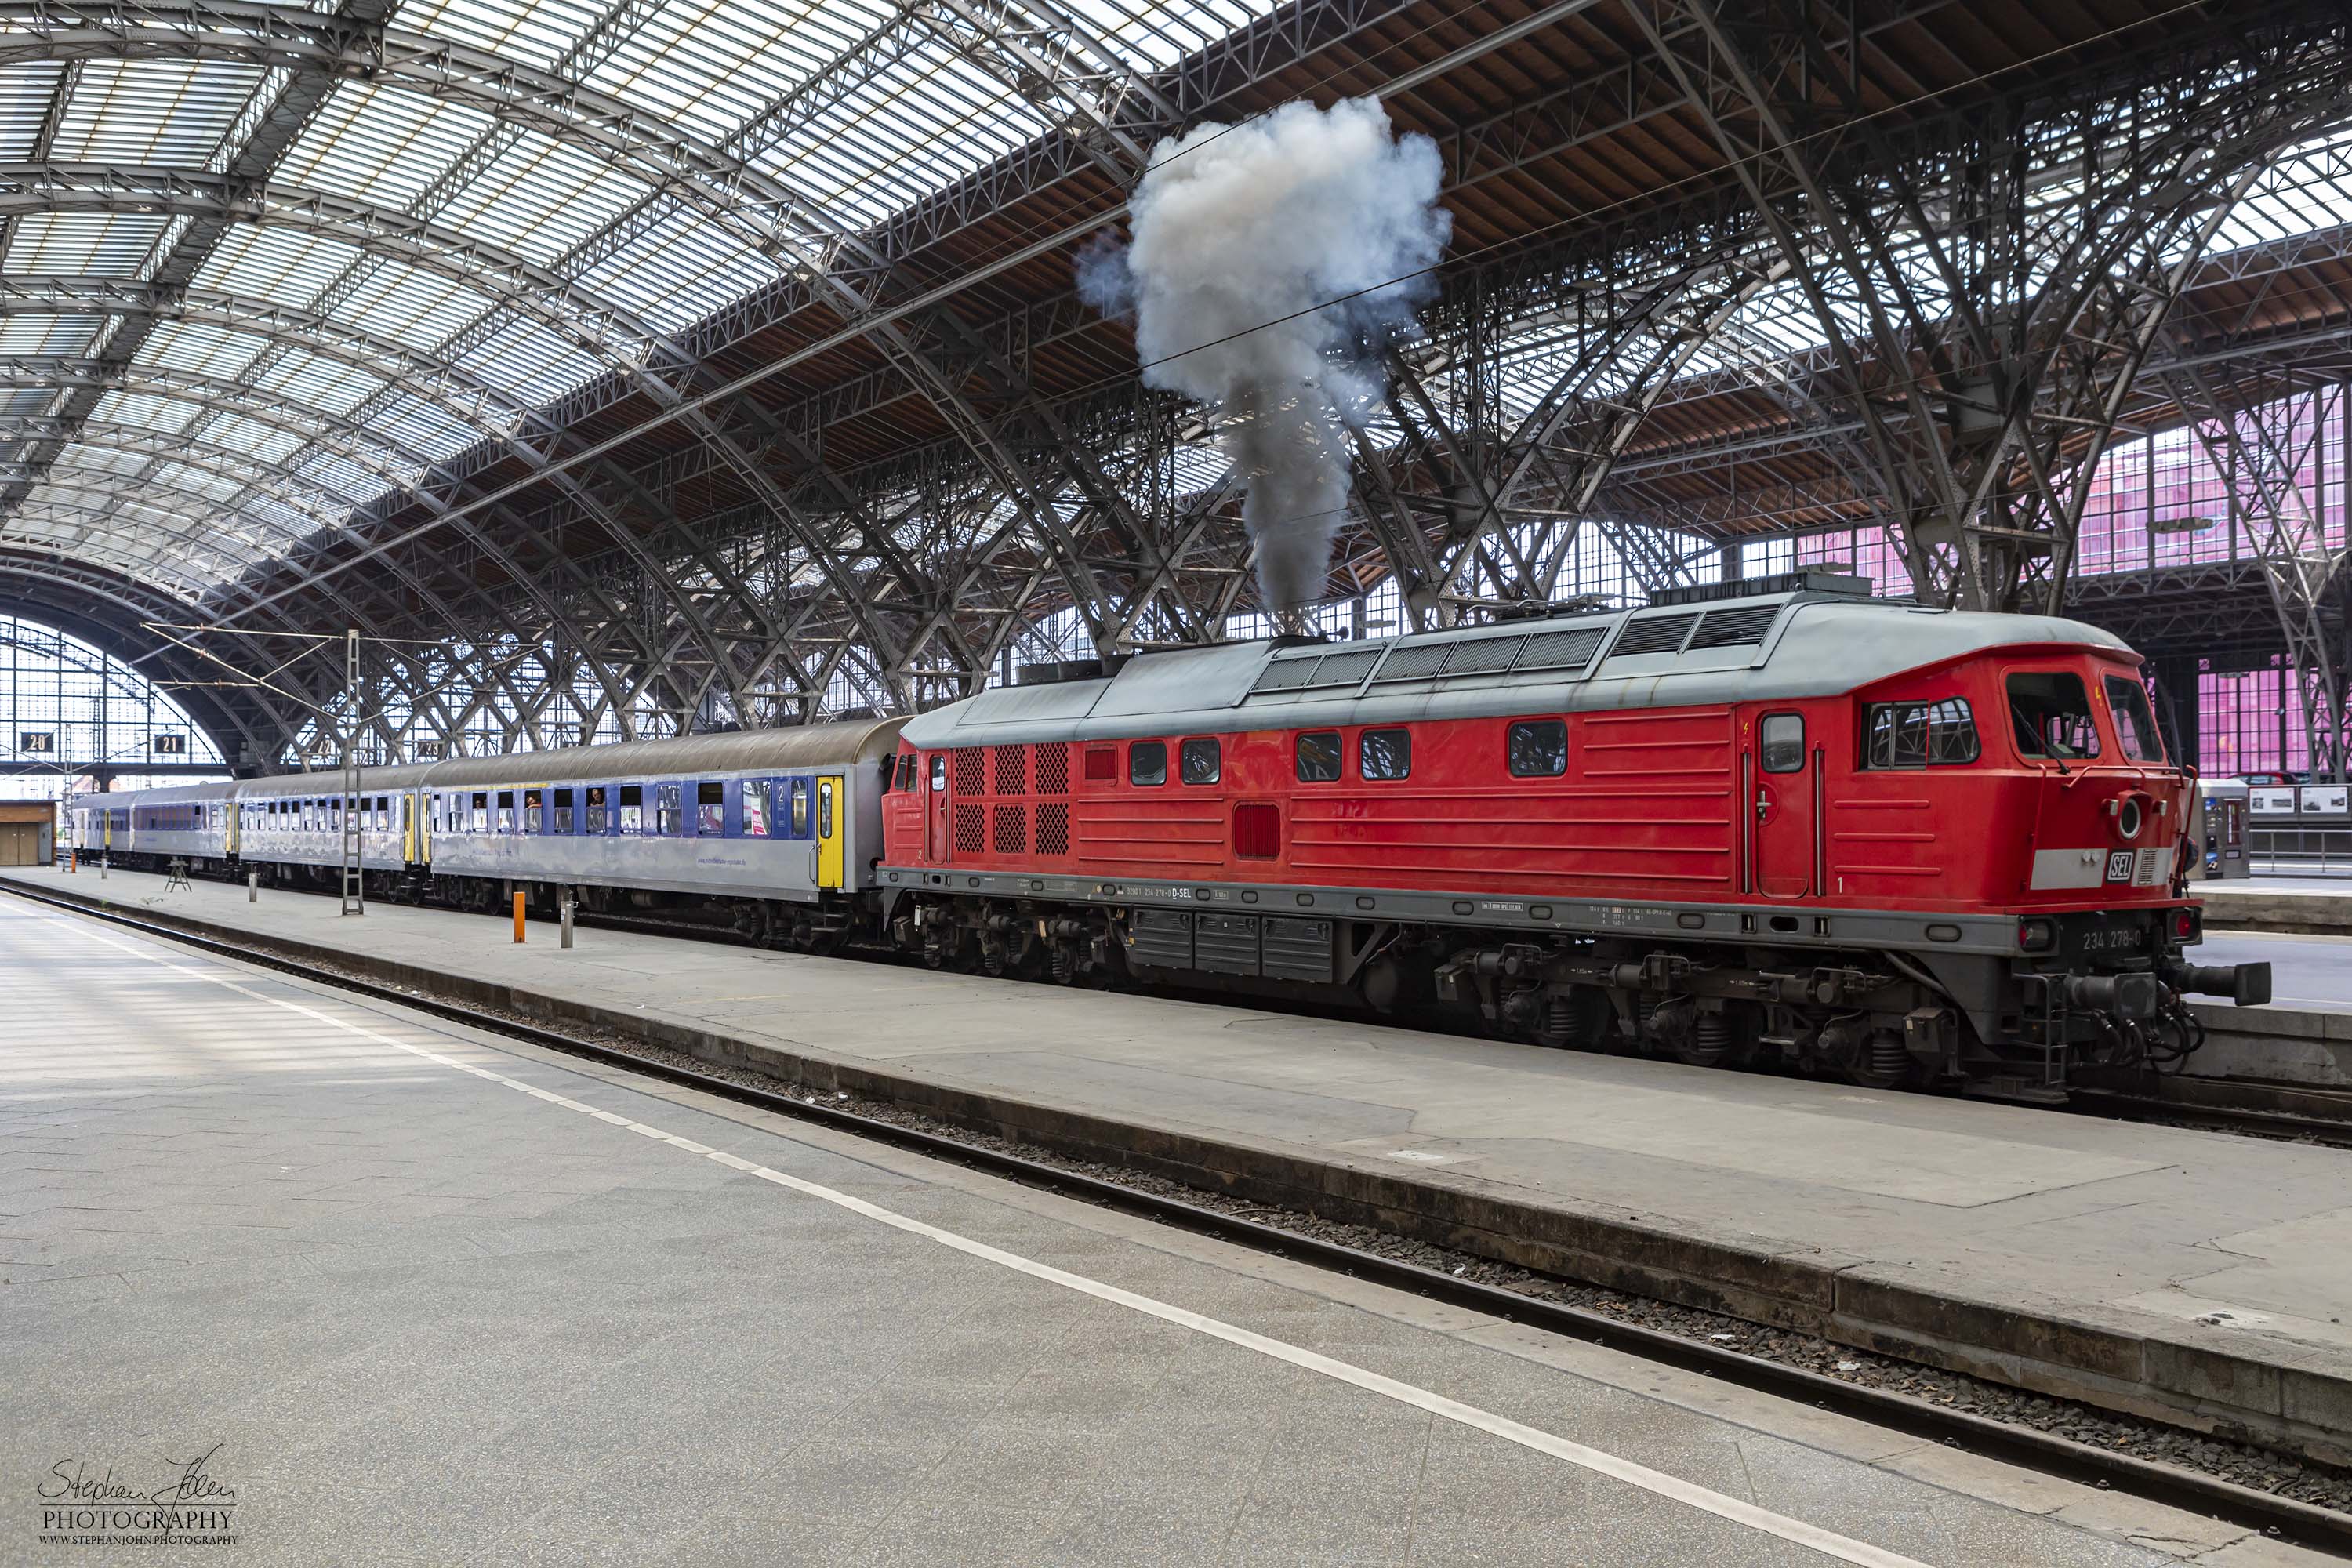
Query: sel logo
[2119,866]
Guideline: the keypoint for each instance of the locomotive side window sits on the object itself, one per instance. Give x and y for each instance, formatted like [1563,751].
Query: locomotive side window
[799,795]
[2135,723]
[1384,753]
[1539,748]
[1102,764]
[709,810]
[596,810]
[2050,715]
[1781,741]
[633,808]
[1146,762]
[1920,735]
[906,772]
[669,813]
[755,808]
[1318,756]
[1201,760]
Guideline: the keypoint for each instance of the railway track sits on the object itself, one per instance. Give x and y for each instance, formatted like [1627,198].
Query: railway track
[2279,1517]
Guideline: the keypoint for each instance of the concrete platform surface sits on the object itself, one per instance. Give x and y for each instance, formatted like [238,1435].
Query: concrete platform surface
[2144,1267]
[345,1284]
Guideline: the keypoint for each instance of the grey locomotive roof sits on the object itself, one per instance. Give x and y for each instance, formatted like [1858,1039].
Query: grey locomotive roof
[797,747]
[1755,648]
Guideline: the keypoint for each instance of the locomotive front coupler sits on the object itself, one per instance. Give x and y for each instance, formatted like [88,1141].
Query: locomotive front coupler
[2246,984]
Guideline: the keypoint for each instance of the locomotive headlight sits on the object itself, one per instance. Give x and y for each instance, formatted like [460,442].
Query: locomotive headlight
[2128,815]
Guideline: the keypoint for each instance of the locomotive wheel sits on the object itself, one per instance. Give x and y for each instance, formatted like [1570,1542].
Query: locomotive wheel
[1714,1040]
[1574,1018]
[1882,1062]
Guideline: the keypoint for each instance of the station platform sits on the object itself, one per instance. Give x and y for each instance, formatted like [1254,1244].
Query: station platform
[2200,1276]
[2320,905]
[364,1286]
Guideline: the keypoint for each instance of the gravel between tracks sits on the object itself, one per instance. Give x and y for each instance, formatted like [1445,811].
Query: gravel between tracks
[2245,1464]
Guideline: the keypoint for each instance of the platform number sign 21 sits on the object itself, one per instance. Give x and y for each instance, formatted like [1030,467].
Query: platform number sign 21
[2120,864]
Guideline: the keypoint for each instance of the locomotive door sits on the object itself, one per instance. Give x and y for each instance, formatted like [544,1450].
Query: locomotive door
[828,830]
[1784,786]
[935,813]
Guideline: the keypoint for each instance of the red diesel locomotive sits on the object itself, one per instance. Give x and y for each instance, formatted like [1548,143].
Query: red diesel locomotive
[1777,821]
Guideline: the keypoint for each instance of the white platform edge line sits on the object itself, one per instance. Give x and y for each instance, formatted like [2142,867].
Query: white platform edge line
[1657,1482]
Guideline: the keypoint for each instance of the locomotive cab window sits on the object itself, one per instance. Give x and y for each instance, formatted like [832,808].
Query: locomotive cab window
[1538,748]
[633,808]
[2050,716]
[1919,734]
[1781,740]
[2135,722]
[1201,760]
[906,772]
[1384,753]
[1146,762]
[595,810]
[560,817]
[938,783]
[1318,756]
[709,810]
[670,813]
[755,808]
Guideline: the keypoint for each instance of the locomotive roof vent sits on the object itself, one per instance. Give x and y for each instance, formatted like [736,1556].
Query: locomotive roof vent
[1753,587]
[1059,671]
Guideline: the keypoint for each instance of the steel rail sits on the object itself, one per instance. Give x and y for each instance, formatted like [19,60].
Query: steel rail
[2278,1517]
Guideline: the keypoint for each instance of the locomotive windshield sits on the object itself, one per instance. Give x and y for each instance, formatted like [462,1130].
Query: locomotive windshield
[2135,723]
[2049,714]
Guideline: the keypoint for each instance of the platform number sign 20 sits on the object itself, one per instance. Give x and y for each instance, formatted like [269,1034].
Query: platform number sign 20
[37,739]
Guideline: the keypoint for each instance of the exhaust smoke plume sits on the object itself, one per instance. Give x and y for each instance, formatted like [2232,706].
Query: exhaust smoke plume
[1269,263]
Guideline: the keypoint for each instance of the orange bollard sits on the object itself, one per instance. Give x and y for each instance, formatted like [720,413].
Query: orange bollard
[517,917]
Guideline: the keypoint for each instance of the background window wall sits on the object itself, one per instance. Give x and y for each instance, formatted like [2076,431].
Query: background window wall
[65,705]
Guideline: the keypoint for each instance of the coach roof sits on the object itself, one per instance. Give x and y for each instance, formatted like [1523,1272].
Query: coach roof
[794,748]
[1755,649]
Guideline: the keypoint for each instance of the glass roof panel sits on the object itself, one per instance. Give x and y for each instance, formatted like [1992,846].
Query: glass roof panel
[152,112]
[25,93]
[108,244]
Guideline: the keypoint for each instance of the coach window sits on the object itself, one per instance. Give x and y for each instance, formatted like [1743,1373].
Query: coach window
[1318,756]
[559,816]
[1538,748]
[1146,762]
[755,808]
[669,811]
[534,804]
[2050,716]
[1384,753]
[596,810]
[711,810]
[633,808]
[505,811]
[2134,724]
[1781,739]
[1199,760]
[801,796]
[1920,735]
[481,813]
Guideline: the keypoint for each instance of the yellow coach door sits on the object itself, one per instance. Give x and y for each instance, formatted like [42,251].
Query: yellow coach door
[828,831]
[228,827]
[411,841]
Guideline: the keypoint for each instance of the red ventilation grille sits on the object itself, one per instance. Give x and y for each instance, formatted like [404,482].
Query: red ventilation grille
[1012,829]
[1052,767]
[971,829]
[971,772]
[1053,827]
[1011,775]
[1257,832]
